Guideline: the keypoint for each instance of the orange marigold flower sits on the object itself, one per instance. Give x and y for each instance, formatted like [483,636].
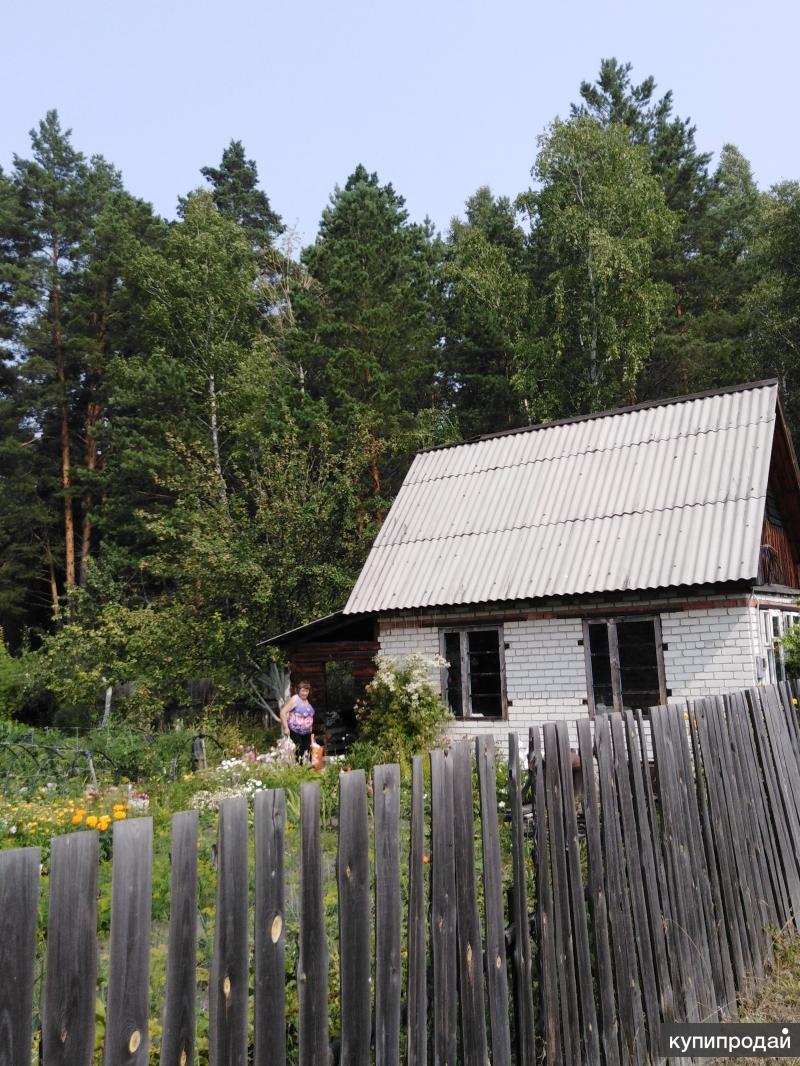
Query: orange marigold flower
[91,821]
[119,815]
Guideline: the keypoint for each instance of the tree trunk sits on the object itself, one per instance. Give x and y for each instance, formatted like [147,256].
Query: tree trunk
[51,575]
[374,471]
[92,417]
[212,397]
[64,435]
[93,413]
[593,370]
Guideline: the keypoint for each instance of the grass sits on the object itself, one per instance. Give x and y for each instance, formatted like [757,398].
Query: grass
[776,1001]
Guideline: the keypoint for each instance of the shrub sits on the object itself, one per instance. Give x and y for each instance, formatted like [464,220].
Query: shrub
[11,681]
[403,713]
[791,645]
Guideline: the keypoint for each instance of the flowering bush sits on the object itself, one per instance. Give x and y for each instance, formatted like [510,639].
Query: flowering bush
[403,712]
[32,822]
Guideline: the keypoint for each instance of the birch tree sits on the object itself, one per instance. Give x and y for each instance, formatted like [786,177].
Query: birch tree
[597,216]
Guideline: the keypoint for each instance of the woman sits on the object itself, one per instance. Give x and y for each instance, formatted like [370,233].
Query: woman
[297,719]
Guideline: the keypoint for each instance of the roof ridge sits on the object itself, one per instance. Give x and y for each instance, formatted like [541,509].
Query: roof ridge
[609,413]
[618,447]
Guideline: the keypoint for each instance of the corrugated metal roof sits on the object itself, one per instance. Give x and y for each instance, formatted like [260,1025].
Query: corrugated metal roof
[643,498]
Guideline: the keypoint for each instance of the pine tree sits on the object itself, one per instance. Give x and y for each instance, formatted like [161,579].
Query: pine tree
[234,188]
[487,316]
[368,328]
[775,299]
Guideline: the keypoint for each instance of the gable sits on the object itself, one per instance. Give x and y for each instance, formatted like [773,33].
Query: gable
[780,555]
[651,497]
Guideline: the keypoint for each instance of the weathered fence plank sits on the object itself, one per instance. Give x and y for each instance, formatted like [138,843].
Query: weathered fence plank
[312,966]
[727,993]
[767,824]
[386,803]
[496,967]
[548,971]
[683,952]
[70,988]
[521,948]
[632,1027]
[707,935]
[19,908]
[127,1007]
[565,951]
[468,926]
[774,904]
[736,907]
[270,929]
[229,987]
[775,798]
[354,919]
[666,915]
[443,913]
[590,1044]
[609,1024]
[417,972]
[631,873]
[178,1034]
[648,850]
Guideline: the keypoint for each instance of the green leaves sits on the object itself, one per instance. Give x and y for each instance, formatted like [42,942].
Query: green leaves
[597,216]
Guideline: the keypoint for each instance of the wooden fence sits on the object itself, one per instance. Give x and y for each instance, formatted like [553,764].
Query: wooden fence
[656,860]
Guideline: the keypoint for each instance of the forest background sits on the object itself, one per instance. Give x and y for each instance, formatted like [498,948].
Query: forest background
[202,425]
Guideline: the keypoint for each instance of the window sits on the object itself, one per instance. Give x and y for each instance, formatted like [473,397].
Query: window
[624,663]
[474,682]
[775,625]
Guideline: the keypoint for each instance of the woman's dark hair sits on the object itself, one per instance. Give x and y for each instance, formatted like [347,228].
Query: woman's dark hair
[302,683]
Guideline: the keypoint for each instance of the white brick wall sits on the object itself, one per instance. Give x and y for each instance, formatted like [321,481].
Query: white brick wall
[710,650]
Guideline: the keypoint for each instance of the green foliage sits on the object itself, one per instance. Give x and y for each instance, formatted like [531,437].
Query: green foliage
[201,432]
[487,315]
[403,713]
[366,331]
[791,647]
[11,681]
[234,185]
[598,217]
[775,296]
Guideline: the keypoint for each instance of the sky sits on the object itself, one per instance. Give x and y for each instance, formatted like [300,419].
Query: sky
[439,97]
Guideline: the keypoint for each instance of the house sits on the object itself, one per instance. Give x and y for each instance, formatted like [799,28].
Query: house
[623,559]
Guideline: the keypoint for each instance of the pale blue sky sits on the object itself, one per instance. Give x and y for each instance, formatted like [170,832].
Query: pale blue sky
[438,97]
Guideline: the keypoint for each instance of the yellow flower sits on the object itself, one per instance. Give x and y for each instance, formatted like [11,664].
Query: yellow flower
[91,821]
[119,815]
[77,818]
[104,823]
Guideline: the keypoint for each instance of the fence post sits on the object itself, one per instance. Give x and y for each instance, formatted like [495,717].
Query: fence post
[417,974]
[312,972]
[127,1006]
[443,912]
[496,968]
[521,963]
[19,907]
[178,1040]
[354,924]
[228,987]
[270,929]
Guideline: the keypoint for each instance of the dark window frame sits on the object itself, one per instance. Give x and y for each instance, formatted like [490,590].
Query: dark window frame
[466,700]
[611,622]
